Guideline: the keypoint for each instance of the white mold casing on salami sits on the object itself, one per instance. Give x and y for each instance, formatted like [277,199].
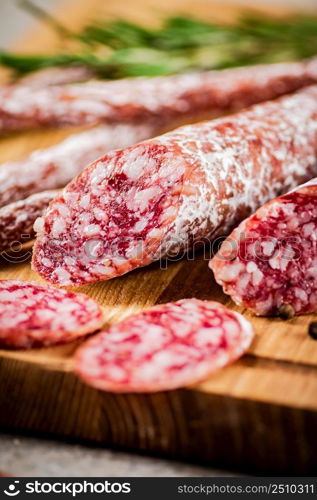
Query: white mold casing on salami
[162,196]
[269,262]
[58,75]
[185,96]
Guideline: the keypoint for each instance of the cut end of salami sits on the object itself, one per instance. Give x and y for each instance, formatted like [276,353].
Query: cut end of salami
[269,263]
[166,347]
[35,315]
[112,218]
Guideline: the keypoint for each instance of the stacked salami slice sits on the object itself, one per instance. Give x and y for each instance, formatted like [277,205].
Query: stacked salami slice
[269,262]
[183,189]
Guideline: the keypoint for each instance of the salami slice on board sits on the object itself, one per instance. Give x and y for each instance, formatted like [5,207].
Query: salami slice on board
[269,262]
[185,97]
[166,347]
[17,218]
[176,192]
[54,167]
[35,315]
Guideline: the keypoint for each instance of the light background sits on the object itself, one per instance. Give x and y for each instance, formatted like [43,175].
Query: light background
[13,20]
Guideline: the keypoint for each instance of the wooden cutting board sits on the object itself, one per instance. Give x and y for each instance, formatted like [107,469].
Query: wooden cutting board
[260,413]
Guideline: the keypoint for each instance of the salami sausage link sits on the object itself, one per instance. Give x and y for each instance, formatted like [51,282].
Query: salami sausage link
[169,194]
[35,315]
[54,167]
[17,218]
[166,347]
[186,96]
[56,76]
[269,262]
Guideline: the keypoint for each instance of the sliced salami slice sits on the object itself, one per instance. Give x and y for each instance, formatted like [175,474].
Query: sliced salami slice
[53,167]
[175,192]
[166,347]
[35,315]
[17,218]
[269,262]
[186,96]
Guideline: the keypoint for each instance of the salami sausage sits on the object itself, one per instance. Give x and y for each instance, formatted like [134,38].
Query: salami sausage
[179,97]
[269,262]
[56,76]
[54,167]
[17,218]
[166,347]
[35,315]
[177,191]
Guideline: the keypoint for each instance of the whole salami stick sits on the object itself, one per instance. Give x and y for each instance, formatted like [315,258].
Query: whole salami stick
[184,97]
[269,262]
[17,218]
[167,195]
[54,167]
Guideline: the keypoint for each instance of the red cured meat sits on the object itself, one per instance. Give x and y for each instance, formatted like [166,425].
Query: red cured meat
[17,218]
[35,315]
[163,196]
[54,167]
[166,347]
[186,96]
[269,262]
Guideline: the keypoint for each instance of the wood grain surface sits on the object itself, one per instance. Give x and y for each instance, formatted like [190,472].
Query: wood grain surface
[260,413]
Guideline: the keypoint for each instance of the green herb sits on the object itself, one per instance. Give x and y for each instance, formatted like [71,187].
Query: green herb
[41,14]
[120,49]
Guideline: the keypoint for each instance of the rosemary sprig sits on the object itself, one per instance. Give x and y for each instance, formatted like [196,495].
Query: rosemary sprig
[42,15]
[120,48]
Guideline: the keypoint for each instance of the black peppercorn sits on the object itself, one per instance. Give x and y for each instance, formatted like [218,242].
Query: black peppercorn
[312,330]
[286,311]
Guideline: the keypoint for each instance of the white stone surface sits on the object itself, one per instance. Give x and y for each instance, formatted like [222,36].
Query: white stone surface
[26,457]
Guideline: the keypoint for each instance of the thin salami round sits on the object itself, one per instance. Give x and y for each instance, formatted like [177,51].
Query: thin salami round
[35,315]
[178,97]
[269,262]
[176,192]
[166,347]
